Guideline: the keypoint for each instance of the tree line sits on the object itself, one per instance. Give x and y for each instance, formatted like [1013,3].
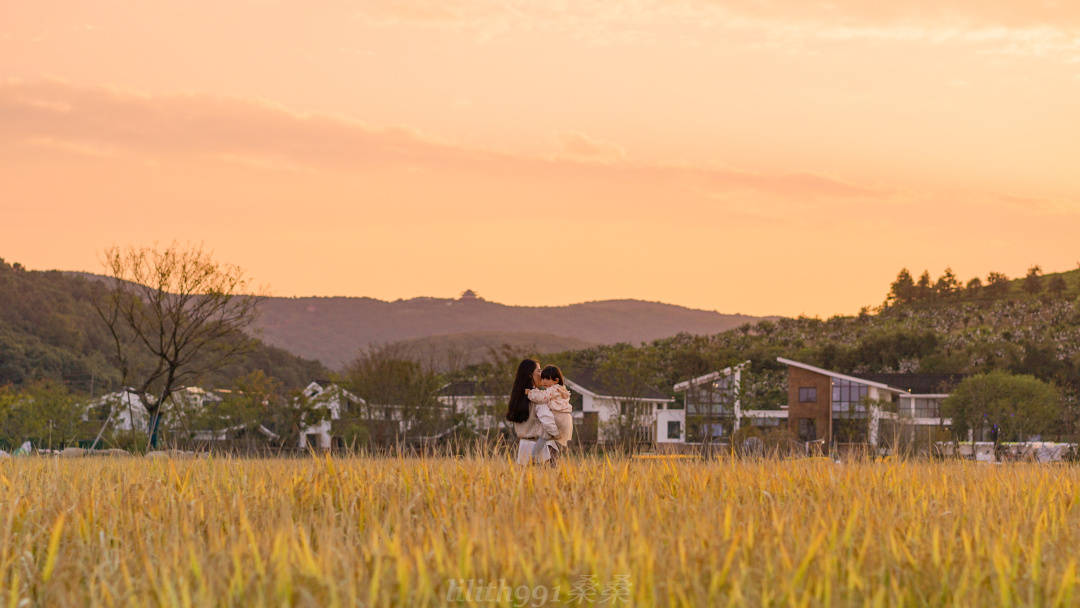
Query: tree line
[906,290]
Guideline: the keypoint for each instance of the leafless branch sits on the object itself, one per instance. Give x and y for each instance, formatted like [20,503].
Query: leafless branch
[173,314]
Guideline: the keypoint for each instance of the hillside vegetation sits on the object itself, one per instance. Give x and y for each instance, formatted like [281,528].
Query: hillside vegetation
[956,331]
[50,330]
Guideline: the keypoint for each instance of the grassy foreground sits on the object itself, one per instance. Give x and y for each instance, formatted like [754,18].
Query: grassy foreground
[385,531]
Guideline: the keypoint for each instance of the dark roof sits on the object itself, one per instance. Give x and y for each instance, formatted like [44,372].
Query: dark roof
[919,384]
[594,382]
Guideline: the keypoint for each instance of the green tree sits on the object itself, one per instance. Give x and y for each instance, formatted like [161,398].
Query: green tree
[924,289]
[1057,285]
[13,430]
[880,350]
[396,387]
[947,284]
[974,287]
[1033,281]
[44,412]
[997,284]
[902,290]
[1020,405]
[247,410]
[626,375]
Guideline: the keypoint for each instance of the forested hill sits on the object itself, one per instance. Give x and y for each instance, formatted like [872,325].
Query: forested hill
[334,329]
[49,329]
[1027,326]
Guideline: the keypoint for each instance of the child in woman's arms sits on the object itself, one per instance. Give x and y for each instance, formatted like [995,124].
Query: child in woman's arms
[552,400]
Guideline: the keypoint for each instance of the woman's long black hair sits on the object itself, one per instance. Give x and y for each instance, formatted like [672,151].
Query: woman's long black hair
[518,410]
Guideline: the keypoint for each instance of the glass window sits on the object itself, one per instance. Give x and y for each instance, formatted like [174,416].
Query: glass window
[849,399]
[926,408]
[674,429]
[807,432]
[807,394]
[717,397]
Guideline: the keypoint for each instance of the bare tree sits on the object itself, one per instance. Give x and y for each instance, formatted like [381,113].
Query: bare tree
[399,388]
[173,315]
[626,375]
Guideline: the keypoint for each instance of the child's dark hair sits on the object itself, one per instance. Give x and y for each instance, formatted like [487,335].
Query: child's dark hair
[552,372]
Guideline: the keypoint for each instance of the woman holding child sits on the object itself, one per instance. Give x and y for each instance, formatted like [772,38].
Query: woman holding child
[541,412]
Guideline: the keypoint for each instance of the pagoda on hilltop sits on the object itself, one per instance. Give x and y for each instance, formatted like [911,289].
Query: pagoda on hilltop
[469,296]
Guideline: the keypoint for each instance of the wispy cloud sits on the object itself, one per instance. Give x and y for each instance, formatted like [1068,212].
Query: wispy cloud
[69,146]
[580,146]
[262,134]
[1041,205]
[1006,26]
[977,13]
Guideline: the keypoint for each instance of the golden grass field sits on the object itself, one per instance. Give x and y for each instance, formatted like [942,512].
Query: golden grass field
[385,531]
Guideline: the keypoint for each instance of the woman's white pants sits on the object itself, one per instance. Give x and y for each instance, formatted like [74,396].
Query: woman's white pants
[525,452]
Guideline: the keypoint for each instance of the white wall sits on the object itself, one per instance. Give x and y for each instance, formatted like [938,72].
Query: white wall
[662,419]
[128,411]
[321,432]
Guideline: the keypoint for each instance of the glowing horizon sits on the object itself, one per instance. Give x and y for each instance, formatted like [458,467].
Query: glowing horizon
[729,156]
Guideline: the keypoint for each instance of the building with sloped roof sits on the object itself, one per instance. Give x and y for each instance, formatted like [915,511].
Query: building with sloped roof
[604,408]
[831,408]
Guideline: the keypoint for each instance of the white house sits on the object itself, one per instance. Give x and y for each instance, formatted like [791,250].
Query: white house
[333,398]
[127,409]
[597,407]
[123,410]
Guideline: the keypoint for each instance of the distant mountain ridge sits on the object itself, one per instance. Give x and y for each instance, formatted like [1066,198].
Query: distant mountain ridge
[334,329]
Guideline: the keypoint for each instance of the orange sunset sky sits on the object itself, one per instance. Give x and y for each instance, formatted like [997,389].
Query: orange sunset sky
[765,157]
